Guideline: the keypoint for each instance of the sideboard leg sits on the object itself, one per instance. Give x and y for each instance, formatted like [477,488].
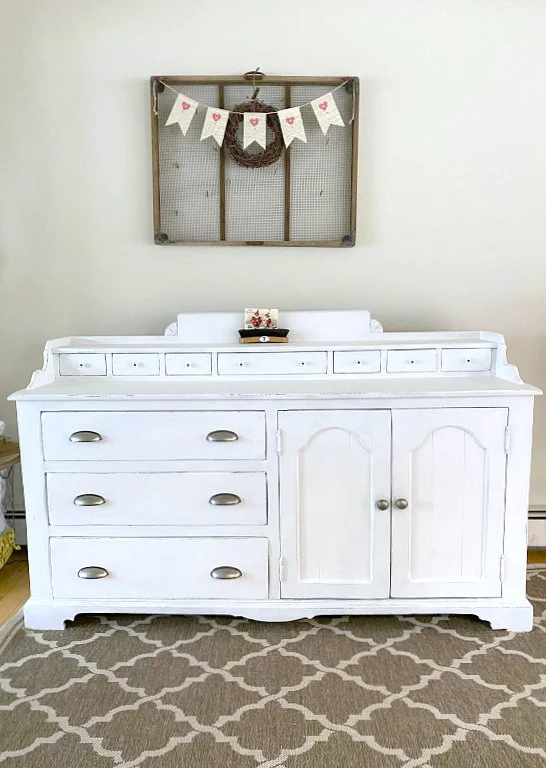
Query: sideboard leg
[517,618]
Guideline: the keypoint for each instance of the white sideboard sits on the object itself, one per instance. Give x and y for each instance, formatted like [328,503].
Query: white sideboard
[349,471]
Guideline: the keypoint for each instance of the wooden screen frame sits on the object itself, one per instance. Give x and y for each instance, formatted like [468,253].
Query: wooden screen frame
[221,81]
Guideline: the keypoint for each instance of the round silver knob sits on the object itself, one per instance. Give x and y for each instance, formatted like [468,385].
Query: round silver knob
[226,572]
[402,503]
[383,504]
[93,572]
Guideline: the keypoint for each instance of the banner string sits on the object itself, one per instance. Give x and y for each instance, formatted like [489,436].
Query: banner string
[300,106]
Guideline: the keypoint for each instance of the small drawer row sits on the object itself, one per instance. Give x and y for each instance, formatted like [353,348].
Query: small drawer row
[162,568]
[413,361]
[269,362]
[166,498]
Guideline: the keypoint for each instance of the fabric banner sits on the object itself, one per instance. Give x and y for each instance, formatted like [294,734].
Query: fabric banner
[215,124]
[254,128]
[292,125]
[182,112]
[326,112]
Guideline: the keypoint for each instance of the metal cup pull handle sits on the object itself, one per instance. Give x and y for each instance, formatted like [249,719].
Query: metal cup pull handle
[93,572]
[224,499]
[222,436]
[226,572]
[89,500]
[85,436]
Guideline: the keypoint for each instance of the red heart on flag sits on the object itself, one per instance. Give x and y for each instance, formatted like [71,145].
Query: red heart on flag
[290,120]
[185,105]
[216,116]
[323,105]
[254,121]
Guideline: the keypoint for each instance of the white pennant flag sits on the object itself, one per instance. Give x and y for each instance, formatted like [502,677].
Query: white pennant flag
[254,125]
[215,124]
[182,112]
[292,125]
[326,112]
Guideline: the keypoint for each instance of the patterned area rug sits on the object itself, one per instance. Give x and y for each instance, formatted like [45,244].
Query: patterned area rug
[171,692]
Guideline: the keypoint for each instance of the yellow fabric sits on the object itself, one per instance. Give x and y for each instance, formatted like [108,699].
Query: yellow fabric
[7,545]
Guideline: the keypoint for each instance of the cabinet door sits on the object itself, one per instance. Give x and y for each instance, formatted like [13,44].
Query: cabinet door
[449,465]
[334,468]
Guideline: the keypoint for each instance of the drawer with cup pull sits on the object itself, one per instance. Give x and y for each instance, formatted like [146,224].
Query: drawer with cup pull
[86,364]
[411,360]
[163,498]
[124,364]
[466,360]
[161,568]
[153,435]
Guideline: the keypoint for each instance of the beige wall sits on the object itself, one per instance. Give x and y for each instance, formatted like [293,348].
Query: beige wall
[451,226]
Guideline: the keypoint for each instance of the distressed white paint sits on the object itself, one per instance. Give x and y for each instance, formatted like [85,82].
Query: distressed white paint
[160,498]
[321,441]
[450,466]
[334,467]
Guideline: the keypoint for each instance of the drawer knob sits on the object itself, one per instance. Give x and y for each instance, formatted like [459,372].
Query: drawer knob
[226,572]
[224,499]
[89,500]
[85,436]
[93,572]
[222,436]
[402,503]
[383,504]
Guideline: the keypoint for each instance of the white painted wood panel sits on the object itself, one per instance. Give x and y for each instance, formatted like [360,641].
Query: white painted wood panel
[359,361]
[159,568]
[163,435]
[335,467]
[199,364]
[411,360]
[135,365]
[271,363]
[466,359]
[82,364]
[449,464]
[165,498]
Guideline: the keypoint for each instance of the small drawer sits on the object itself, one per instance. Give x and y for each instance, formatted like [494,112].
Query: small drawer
[166,498]
[411,361]
[466,359]
[271,363]
[82,365]
[357,362]
[160,568]
[135,365]
[199,364]
[153,435]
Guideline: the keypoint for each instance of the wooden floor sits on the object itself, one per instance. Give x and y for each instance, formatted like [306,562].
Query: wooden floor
[14,588]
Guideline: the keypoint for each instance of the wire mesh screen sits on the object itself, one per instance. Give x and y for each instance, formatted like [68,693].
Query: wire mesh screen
[306,197]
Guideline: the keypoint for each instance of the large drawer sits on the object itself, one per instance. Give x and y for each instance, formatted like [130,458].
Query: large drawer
[160,435]
[173,498]
[271,363]
[162,568]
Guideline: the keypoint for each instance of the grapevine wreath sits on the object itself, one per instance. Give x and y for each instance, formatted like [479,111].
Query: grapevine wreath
[243,157]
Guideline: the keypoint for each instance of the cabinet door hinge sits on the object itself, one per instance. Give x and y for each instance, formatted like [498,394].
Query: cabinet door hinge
[507,439]
[281,569]
[501,570]
[279,441]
